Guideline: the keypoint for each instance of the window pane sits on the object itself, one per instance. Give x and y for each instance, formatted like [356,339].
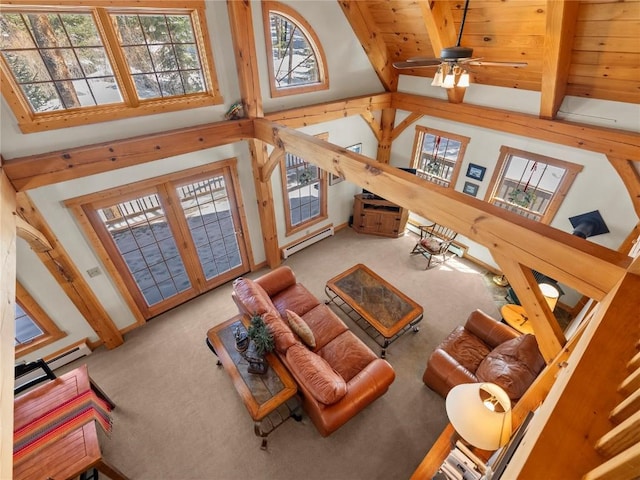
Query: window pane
[438,158]
[161,47]
[207,209]
[140,232]
[43,48]
[303,190]
[294,61]
[26,328]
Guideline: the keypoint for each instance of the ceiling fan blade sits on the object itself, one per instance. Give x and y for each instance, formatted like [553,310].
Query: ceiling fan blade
[483,63]
[424,59]
[416,64]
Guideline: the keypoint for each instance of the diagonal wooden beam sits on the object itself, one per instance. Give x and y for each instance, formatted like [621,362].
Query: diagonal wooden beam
[584,266]
[398,129]
[374,125]
[35,238]
[438,21]
[630,177]
[372,41]
[67,275]
[274,159]
[560,29]
[545,326]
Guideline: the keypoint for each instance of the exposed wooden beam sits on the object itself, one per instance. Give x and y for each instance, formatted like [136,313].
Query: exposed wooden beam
[324,112]
[607,141]
[545,326]
[398,129]
[585,266]
[372,41]
[244,43]
[385,139]
[36,240]
[67,275]
[438,21]
[274,159]
[630,177]
[7,320]
[562,436]
[374,125]
[46,169]
[560,27]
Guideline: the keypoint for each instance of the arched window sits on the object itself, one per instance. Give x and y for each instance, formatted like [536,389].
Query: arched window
[295,58]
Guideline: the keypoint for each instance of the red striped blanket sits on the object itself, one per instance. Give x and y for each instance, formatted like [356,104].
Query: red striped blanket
[60,421]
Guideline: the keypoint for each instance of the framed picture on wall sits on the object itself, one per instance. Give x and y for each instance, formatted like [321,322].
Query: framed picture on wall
[476,171]
[470,189]
[333,179]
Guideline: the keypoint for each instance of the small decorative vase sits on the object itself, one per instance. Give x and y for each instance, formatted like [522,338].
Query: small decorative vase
[257,363]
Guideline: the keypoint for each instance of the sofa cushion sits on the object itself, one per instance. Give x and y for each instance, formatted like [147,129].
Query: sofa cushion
[296,298]
[252,296]
[316,375]
[466,348]
[347,355]
[324,324]
[431,244]
[513,365]
[282,334]
[300,328]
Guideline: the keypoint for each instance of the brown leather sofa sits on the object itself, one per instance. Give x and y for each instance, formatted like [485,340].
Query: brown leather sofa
[484,350]
[340,375]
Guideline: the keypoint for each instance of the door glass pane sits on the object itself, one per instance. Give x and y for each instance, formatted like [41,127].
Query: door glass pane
[140,230]
[206,207]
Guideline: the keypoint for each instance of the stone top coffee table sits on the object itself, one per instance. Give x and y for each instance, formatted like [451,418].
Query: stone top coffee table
[271,397]
[383,312]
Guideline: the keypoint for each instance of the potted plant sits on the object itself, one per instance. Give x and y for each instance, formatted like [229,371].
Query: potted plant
[262,342]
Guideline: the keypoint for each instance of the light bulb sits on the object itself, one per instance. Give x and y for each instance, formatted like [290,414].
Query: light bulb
[464,80]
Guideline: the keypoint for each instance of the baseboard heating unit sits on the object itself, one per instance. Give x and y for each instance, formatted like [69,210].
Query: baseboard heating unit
[77,351]
[307,240]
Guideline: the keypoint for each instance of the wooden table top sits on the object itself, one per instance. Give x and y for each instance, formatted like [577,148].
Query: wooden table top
[516,317]
[261,394]
[382,305]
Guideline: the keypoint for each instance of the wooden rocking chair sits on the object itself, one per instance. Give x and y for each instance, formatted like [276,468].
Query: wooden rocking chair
[434,240]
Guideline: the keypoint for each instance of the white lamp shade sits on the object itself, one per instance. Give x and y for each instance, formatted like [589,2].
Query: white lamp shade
[550,293]
[464,80]
[449,81]
[437,78]
[469,408]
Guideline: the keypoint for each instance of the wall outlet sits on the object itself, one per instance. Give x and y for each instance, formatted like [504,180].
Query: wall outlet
[94,272]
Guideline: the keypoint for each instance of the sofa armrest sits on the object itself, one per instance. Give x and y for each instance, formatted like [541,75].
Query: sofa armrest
[277,280]
[443,372]
[372,382]
[489,330]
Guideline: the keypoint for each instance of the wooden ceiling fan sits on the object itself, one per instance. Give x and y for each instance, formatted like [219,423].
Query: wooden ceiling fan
[453,65]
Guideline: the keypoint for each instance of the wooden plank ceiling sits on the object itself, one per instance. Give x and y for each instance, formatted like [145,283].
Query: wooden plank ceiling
[586,48]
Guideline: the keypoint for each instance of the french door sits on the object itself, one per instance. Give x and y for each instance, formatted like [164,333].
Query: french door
[172,238]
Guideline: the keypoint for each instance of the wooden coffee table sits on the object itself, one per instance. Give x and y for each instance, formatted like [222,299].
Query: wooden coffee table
[271,397]
[383,312]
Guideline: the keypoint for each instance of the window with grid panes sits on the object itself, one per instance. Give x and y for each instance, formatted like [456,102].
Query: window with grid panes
[83,63]
[531,185]
[438,155]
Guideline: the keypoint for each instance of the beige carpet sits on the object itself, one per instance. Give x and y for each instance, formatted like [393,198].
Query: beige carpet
[179,417]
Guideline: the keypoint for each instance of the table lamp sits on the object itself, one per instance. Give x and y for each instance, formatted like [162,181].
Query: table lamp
[550,294]
[480,414]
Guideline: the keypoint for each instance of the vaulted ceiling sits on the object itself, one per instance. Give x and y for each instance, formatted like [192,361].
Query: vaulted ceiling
[585,48]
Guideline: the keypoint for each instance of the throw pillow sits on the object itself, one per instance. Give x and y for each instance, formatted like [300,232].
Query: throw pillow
[432,244]
[300,327]
[282,334]
[512,365]
[315,375]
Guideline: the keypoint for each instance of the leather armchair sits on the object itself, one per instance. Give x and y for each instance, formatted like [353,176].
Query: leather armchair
[484,350]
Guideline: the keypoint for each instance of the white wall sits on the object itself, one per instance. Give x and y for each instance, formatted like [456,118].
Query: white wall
[597,187]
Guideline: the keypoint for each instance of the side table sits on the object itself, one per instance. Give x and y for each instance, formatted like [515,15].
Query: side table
[271,397]
[517,318]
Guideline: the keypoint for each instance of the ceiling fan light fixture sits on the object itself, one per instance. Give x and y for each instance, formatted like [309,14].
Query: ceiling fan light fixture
[437,79]
[449,81]
[464,80]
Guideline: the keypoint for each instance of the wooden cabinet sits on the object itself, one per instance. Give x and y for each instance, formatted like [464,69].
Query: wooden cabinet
[376,216]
